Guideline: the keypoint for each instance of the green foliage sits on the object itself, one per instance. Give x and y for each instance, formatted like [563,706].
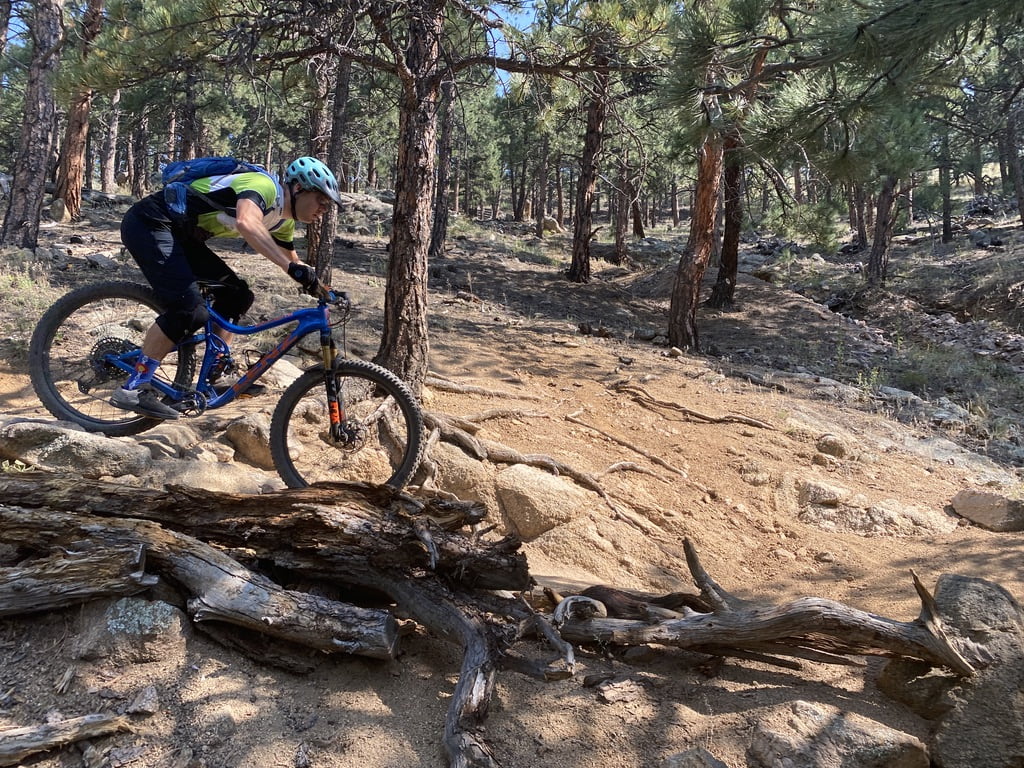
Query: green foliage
[816,224]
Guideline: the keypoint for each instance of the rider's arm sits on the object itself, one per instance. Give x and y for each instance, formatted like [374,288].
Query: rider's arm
[249,221]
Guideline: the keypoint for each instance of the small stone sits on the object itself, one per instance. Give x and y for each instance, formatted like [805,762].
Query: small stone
[146,702]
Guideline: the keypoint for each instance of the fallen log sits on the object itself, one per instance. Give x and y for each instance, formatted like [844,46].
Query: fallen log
[409,551]
[72,576]
[220,588]
[351,530]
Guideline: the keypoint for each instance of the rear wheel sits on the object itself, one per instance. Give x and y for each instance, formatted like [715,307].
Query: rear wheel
[381,438]
[70,349]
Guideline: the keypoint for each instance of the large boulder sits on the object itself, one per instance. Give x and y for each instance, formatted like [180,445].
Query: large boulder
[66,447]
[533,502]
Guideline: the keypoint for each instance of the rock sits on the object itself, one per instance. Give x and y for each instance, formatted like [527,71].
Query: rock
[467,478]
[990,510]
[985,726]
[813,492]
[814,736]
[210,476]
[620,690]
[251,437]
[64,447]
[107,261]
[132,630]
[551,225]
[58,211]
[534,501]
[833,445]
[146,702]
[918,686]
[170,440]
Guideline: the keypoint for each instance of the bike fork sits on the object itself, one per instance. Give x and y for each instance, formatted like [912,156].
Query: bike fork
[335,405]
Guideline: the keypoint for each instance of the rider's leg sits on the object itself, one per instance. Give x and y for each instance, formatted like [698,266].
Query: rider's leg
[152,243]
[231,298]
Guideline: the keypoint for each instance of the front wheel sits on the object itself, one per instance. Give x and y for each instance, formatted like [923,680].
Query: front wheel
[380,439]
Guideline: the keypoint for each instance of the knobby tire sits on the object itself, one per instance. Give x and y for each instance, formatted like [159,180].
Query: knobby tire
[380,408]
[68,344]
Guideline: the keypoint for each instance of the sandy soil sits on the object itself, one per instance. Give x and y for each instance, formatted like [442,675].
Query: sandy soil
[504,320]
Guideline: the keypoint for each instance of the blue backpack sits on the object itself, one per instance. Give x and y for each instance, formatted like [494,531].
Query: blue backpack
[178,175]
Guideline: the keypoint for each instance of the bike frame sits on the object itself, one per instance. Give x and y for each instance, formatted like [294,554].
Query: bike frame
[308,320]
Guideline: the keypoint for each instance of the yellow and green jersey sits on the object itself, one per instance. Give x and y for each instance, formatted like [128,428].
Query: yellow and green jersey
[224,192]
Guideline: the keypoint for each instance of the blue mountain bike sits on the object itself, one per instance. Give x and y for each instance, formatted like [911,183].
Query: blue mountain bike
[341,420]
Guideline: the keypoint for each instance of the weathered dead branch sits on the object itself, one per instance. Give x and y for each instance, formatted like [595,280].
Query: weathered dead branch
[17,743]
[810,628]
[220,588]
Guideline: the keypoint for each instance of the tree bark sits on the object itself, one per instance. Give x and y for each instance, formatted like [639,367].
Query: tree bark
[439,231]
[723,293]
[682,323]
[28,185]
[71,171]
[597,112]
[220,588]
[540,187]
[320,233]
[19,743]
[108,154]
[1013,161]
[139,165]
[810,628]
[71,576]
[878,261]
[404,346]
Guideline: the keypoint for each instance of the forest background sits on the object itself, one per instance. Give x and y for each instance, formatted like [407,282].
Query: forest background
[813,119]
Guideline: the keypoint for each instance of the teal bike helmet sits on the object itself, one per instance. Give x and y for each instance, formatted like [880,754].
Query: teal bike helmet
[310,173]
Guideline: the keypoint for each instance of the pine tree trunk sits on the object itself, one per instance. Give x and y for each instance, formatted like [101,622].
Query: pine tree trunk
[320,233]
[638,212]
[439,232]
[682,321]
[723,293]
[1014,164]
[5,23]
[71,173]
[108,154]
[862,219]
[139,166]
[21,223]
[559,196]
[541,188]
[597,111]
[620,213]
[404,346]
[675,202]
[878,261]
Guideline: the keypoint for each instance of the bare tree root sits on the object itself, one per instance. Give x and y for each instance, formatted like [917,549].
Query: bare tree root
[644,398]
[625,443]
[445,385]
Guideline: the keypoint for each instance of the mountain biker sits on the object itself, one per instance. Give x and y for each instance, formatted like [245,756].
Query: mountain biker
[171,251]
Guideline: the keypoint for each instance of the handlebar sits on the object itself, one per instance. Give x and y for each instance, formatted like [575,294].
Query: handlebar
[334,298]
